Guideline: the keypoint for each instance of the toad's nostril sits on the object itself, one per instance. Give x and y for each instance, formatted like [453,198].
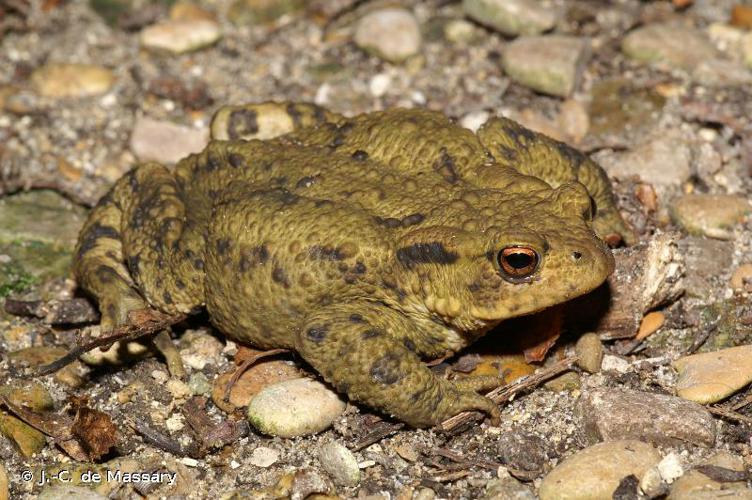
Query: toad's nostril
[576,255]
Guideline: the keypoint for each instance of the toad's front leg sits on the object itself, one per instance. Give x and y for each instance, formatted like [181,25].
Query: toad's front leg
[367,351]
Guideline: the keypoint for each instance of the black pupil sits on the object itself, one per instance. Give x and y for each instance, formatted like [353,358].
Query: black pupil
[519,260]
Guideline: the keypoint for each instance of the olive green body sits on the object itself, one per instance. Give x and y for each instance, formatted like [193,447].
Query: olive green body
[366,244]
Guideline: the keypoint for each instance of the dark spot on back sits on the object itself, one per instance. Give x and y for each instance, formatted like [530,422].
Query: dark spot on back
[409,344]
[133,262]
[179,284]
[356,318]
[317,333]
[295,115]
[167,297]
[370,334]
[212,162]
[412,219]
[519,134]
[474,287]
[386,370]
[445,166]
[389,222]
[425,253]
[305,182]
[325,253]
[236,161]
[508,153]
[94,234]
[252,257]
[105,274]
[242,122]
[359,268]
[279,275]
[360,155]
[199,264]
[223,246]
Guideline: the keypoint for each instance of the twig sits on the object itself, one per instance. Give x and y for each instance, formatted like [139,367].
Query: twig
[142,323]
[383,430]
[725,412]
[450,476]
[703,336]
[157,439]
[506,393]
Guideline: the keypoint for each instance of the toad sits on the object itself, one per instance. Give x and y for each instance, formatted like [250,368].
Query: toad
[366,244]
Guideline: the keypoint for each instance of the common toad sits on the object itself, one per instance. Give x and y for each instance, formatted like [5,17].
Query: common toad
[365,244]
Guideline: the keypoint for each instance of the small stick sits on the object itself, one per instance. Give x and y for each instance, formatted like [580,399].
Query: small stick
[244,366]
[450,476]
[146,323]
[724,412]
[506,393]
[157,439]
[376,435]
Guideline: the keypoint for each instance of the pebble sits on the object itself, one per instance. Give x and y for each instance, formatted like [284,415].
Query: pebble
[35,396]
[522,451]
[4,485]
[180,36]
[704,261]
[379,84]
[589,352]
[665,161]
[178,388]
[512,17]
[552,64]
[507,488]
[596,472]
[742,278]
[165,142]
[248,12]
[696,485]
[61,80]
[340,464]
[459,31]
[670,468]
[566,382]
[293,408]
[28,393]
[610,414]
[721,73]
[391,34]
[199,384]
[745,45]
[264,457]
[711,376]
[673,44]
[66,492]
[199,348]
[712,215]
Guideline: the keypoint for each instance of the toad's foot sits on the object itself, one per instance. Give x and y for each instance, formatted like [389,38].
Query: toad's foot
[369,352]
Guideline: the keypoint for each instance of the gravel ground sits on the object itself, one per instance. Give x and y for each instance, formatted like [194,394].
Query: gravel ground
[660,93]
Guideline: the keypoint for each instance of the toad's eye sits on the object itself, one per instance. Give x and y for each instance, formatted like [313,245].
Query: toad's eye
[517,264]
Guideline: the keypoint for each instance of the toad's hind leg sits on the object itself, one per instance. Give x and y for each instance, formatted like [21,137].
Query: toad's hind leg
[126,255]
[556,163]
[364,350]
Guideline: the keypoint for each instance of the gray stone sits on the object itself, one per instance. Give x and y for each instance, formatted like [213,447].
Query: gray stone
[512,17]
[706,261]
[295,407]
[595,472]
[672,44]
[710,215]
[339,463]
[391,34]
[507,488]
[522,451]
[610,414]
[665,161]
[552,64]
[721,73]
[165,142]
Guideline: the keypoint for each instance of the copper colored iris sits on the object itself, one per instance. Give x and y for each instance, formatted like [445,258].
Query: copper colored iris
[518,263]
